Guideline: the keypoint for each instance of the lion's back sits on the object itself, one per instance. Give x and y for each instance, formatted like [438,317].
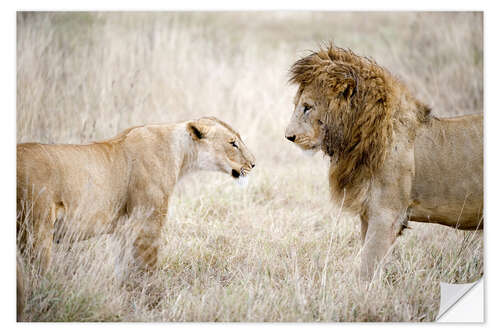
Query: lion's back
[448,184]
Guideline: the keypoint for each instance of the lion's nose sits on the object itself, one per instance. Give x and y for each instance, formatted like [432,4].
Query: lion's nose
[253,165]
[291,138]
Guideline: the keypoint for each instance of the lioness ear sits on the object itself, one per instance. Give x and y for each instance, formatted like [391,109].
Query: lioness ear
[196,131]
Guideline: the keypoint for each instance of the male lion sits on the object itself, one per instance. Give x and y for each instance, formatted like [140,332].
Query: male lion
[86,189]
[390,160]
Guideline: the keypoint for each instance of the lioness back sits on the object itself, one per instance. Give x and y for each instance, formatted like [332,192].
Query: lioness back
[86,180]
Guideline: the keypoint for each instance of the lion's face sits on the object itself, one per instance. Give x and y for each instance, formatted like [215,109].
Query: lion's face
[220,148]
[306,128]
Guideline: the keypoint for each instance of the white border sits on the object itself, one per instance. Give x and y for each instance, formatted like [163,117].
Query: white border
[492,110]
[146,5]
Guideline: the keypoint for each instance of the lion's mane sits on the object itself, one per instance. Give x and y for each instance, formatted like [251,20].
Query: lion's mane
[365,107]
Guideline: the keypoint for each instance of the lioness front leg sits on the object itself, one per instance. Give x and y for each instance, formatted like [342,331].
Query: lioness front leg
[147,243]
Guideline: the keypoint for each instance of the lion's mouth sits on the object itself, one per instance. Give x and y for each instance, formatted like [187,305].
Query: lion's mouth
[310,148]
[307,144]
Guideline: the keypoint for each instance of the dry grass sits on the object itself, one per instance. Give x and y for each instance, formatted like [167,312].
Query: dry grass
[276,250]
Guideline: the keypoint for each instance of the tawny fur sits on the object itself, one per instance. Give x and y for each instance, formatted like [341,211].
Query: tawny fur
[84,190]
[19,290]
[390,158]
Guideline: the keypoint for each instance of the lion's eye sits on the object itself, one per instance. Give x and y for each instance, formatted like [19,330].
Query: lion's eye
[307,108]
[234,144]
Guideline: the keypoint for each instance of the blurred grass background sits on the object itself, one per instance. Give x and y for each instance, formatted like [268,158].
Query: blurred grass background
[274,251]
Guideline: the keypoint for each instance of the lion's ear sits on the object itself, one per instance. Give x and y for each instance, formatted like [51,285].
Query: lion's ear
[348,88]
[196,130]
[344,79]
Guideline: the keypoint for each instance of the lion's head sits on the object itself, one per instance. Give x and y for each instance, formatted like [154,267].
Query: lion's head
[220,148]
[346,106]
[306,128]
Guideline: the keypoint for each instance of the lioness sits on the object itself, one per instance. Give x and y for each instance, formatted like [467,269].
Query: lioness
[391,160]
[86,189]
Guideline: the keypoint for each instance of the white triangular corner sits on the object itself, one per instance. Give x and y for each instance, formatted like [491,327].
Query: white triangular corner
[461,303]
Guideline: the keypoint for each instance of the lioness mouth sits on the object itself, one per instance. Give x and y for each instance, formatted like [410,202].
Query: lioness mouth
[235,174]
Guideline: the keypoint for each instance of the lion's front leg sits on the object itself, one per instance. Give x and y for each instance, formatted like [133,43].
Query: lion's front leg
[364,227]
[379,238]
[383,227]
[386,209]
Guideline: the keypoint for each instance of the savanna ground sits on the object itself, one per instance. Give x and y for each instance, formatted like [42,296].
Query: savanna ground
[276,250]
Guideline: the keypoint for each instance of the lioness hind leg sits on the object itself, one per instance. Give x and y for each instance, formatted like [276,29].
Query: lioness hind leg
[43,218]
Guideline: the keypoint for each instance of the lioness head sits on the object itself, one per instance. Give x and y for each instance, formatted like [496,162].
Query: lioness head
[220,148]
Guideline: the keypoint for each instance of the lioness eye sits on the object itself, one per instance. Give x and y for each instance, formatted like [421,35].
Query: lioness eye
[234,144]
[306,108]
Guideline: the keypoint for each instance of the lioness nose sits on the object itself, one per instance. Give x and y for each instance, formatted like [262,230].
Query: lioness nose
[291,138]
[253,165]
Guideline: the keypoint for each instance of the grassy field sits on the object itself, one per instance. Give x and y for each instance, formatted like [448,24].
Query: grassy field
[276,250]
